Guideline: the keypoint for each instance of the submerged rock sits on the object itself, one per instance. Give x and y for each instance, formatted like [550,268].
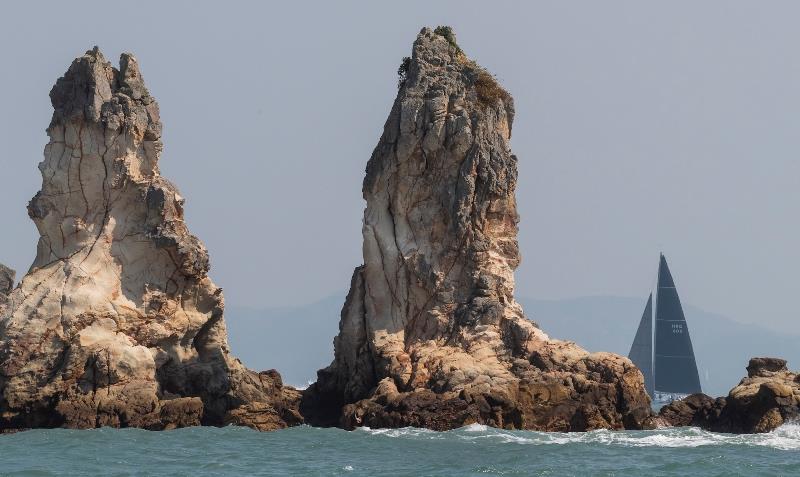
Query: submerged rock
[430,333]
[117,322]
[768,397]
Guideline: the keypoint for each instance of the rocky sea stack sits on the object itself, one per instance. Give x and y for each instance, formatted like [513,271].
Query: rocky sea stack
[768,397]
[430,333]
[117,322]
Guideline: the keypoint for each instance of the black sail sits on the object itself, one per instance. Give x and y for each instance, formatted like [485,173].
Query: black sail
[642,348]
[675,366]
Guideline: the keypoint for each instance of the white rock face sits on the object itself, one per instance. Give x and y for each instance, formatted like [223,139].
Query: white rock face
[430,333]
[117,322]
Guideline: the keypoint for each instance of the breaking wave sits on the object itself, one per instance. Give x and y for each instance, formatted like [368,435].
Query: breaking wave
[786,437]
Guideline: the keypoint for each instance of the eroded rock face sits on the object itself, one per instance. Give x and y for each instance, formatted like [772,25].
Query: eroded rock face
[765,399]
[117,322]
[430,333]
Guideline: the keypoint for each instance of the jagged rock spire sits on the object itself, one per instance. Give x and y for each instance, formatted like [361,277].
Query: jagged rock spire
[430,333]
[117,322]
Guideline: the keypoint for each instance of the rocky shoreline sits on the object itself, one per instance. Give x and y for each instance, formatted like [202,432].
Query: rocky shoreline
[768,397]
[118,324]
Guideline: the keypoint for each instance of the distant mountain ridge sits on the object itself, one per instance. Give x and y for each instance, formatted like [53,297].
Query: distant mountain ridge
[299,340]
[722,346]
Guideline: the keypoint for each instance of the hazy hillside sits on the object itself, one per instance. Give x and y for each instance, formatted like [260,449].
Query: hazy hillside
[722,346]
[298,341]
[295,341]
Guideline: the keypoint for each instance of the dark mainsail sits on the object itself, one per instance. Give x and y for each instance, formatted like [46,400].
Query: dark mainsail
[675,368]
[642,348]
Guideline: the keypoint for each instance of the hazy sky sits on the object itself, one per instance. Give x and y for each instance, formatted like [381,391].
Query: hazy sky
[640,127]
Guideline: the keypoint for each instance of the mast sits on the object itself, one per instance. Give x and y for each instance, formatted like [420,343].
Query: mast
[675,368]
[642,348]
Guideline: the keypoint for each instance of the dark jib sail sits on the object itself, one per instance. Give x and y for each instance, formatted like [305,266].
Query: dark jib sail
[642,348]
[675,366]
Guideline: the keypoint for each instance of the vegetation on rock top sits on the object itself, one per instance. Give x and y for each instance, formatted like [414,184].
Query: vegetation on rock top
[402,71]
[488,89]
[449,35]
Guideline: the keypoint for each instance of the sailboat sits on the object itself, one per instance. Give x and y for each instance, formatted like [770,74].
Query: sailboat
[662,348]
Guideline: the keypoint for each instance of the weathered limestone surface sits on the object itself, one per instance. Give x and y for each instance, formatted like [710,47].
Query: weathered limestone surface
[117,322]
[430,333]
[765,399]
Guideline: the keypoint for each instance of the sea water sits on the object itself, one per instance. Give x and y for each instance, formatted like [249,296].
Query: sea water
[473,450]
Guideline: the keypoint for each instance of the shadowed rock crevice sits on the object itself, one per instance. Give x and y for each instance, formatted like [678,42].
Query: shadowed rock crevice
[117,322]
[430,334]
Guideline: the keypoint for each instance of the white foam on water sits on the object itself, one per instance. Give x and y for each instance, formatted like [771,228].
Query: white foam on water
[409,432]
[475,428]
[786,437]
[672,438]
[303,387]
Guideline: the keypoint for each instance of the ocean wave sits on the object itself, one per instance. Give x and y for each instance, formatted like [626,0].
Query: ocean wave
[404,432]
[476,428]
[786,437]
[471,450]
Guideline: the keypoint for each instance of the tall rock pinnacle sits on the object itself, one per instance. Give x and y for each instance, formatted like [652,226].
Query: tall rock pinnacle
[117,322]
[430,333]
